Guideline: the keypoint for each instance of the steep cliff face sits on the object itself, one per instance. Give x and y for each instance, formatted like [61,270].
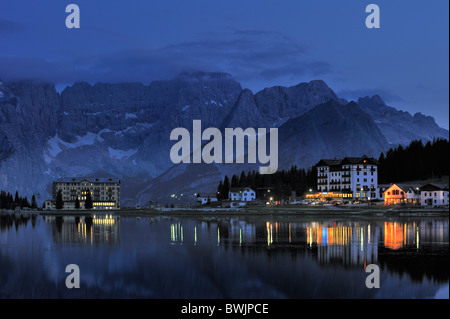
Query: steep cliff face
[279,104]
[28,117]
[103,129]
[123,130]
[400,127]
[332,129]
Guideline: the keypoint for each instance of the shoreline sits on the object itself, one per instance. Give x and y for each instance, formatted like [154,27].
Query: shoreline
[297,211]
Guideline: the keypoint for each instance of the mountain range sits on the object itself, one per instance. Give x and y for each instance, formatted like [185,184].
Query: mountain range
[122,130]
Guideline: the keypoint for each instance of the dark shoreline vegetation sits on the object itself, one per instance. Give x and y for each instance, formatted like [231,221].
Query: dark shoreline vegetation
[414,162]
[7,201]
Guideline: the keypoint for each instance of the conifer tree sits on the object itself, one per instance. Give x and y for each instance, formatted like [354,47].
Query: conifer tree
[88,203]
[33,202]
[59,203]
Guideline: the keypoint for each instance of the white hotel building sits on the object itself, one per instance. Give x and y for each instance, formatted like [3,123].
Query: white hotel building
[348,178]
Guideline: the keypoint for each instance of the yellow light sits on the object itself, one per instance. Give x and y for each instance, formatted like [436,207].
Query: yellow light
[195,235]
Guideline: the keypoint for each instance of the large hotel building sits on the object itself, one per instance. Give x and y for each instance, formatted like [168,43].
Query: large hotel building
[105,192]
[347,178]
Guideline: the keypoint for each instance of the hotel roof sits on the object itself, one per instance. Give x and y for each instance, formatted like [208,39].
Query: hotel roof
[88,179]
[347,160]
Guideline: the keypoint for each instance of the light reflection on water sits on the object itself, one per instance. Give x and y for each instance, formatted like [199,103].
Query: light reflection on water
[226,257]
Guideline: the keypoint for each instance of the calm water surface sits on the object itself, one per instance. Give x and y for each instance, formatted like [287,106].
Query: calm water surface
[223,257]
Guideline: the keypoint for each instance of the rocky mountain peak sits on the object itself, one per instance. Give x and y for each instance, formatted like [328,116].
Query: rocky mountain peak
[371,102]
[203,76]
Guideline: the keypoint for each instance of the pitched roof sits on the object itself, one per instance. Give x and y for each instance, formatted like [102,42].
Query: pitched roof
[406,187]
[347,160]
[360,160]
[88,179]
[206,195]
[328,162]
[433,187]
[240,189]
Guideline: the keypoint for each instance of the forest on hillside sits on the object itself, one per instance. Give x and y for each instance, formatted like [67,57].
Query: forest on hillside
[414,162]
[400,164]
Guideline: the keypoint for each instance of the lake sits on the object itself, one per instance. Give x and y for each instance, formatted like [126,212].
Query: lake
[220,256]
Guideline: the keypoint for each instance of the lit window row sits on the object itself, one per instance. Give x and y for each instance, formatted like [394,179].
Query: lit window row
[104,203]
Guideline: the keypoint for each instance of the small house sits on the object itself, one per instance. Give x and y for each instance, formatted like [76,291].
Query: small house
[434,195]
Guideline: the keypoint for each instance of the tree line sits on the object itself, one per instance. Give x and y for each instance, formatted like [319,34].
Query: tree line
[8,201]
[283,182]
[414,162]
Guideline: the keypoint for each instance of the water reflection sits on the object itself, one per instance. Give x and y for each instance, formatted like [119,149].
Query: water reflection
[222,257]
[84,229]
[349,243]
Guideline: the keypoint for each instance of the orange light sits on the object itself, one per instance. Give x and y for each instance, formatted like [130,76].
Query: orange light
[393,235]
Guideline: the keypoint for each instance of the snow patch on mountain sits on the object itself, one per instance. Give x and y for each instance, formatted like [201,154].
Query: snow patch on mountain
[130,116]
[120,154]
[56,145]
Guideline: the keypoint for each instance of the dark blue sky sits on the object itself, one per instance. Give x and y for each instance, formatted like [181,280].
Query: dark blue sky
[260,42]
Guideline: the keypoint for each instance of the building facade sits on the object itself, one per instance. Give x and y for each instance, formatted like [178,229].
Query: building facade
[348,178]
[105,193]
[243,194]
[395,195]
[206,198]
[434,195]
